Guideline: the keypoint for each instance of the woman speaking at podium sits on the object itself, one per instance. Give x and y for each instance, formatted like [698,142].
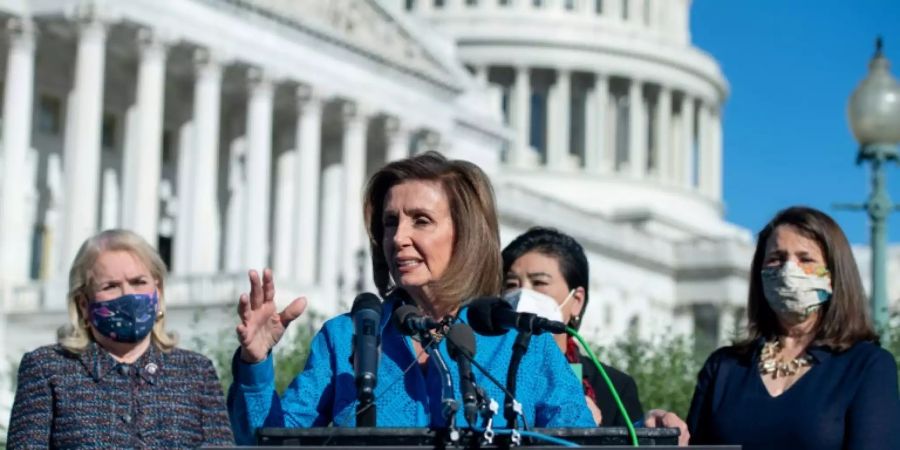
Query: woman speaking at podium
[434,238]
[811,374]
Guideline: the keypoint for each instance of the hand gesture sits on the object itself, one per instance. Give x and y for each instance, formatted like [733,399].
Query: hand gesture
[261,325]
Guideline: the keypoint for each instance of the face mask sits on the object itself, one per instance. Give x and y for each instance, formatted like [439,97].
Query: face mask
[530,301]
[793,291]
[129,318]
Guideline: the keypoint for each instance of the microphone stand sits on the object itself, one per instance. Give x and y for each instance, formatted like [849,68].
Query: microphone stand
[511,407]
[449,405]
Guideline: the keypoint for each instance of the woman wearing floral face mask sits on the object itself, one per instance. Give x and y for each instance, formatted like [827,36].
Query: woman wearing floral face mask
[811,373]
[115,379]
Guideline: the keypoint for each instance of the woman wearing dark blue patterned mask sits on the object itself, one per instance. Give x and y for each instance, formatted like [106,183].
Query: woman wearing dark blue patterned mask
[117,354]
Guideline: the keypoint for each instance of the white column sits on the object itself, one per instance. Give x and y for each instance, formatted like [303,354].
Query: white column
[715,190]
[184,185]
[285,181]
[235,234]
[204,209]
[109,211]
[558,139]
[612,9]
[15,228]
[636,13]
[259,161]
[140,208]
[354,162]
[703,147]
[521,116]
[397,137]
[332,204]
[637,130]
[595,126]
[82,153]
[688,110]
[307,170]
[662,146]
[588,8]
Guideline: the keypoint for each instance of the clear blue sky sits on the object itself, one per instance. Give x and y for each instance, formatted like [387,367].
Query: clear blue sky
[792,65]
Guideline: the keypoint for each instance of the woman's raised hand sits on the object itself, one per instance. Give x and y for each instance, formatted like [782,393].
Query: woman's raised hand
[261,325]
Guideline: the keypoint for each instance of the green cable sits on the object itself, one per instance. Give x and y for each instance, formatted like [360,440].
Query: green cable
[612,390]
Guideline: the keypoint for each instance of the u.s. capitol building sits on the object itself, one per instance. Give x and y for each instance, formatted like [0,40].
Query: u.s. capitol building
[238,134]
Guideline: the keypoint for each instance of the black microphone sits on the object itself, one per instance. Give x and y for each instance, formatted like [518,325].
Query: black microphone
[366,313]
[494,316]
[410,321]
[461,346]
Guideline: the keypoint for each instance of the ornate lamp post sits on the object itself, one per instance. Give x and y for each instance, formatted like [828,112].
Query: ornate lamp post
[874,116]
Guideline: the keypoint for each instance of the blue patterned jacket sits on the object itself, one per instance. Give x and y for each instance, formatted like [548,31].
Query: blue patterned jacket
[89,400]
[325,393]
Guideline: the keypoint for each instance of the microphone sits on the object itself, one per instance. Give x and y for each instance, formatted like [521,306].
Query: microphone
[461,346]
[494,316]
[366,313]
[410,321]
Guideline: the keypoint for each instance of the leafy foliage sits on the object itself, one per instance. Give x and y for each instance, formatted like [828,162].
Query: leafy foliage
[664,368]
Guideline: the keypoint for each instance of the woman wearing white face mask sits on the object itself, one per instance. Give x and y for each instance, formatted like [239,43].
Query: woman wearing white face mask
[543,264]
[811,373]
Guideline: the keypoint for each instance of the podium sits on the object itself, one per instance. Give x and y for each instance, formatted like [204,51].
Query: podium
[332,438]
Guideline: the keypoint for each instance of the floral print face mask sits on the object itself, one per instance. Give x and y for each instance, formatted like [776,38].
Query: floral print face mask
[794,291]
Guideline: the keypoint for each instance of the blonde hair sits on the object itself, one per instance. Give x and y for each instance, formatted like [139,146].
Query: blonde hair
[76,336]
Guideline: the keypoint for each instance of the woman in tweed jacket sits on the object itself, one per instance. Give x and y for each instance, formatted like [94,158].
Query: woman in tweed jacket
[115,378]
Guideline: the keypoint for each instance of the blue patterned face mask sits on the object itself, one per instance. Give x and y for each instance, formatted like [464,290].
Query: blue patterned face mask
[129,318]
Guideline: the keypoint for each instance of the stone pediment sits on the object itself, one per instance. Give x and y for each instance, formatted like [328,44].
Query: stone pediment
[362,25]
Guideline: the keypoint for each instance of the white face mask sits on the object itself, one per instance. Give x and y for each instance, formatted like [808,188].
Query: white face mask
[534,302]
[792,291]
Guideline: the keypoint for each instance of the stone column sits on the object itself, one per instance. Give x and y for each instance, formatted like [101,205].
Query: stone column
[184,187]
[688,111]
[596,118]
[612,9]
[636,13]
[306,198]
[715,190]
[82,152]
[398,139]
[521,116]
[662,146]
[15,227]
[204,208]
[329,262]
[703,163]
[142,171]
[637,130]
[558,139]
[354,163]
[259,161]
[283,204]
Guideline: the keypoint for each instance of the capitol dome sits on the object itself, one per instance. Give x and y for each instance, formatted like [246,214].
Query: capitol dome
[613,109]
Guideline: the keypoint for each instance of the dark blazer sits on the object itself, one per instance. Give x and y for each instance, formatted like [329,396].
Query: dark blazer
[624,385]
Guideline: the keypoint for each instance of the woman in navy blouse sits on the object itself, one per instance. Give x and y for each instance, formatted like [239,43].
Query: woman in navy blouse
[435,243]
[811,374]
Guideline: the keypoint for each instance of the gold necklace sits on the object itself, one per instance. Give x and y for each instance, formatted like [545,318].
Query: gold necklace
[770,363]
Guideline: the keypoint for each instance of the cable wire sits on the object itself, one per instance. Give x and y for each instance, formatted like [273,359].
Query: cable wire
[609,384]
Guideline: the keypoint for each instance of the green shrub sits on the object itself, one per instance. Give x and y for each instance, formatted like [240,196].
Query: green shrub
[664,368]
